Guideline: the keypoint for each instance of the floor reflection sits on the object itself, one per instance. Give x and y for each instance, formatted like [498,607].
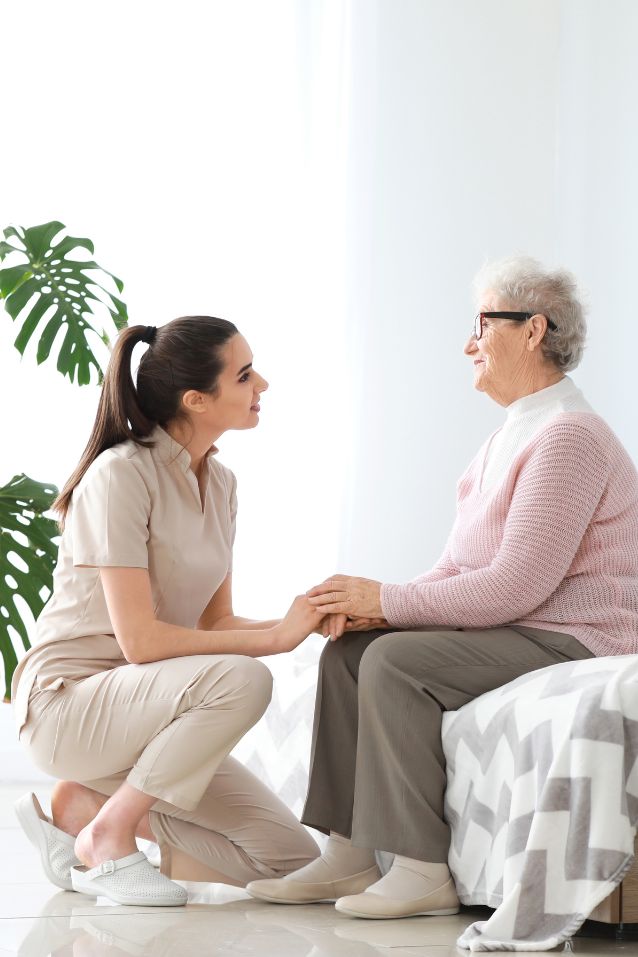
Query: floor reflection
[225,921]
[222,921]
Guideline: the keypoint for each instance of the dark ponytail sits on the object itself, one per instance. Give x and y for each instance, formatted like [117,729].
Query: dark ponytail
[184,354]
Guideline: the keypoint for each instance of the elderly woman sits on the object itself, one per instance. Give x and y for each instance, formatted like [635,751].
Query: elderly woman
[541,566]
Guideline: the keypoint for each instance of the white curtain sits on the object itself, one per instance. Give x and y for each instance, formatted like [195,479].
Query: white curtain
[202,148]
[477,130]
[328,174]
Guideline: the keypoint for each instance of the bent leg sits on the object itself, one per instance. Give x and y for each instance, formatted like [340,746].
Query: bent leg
[165,726]
[406,681]
[240,829]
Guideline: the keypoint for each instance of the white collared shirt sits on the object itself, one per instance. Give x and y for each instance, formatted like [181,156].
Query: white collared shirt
[525,418]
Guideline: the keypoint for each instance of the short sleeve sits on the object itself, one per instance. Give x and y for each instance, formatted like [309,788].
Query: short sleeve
[233,509]
[232,502]
[110,516]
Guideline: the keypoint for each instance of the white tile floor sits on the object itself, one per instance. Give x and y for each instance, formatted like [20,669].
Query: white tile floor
[37,920]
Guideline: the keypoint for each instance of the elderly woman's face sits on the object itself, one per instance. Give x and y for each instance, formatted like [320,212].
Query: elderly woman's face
[500,356]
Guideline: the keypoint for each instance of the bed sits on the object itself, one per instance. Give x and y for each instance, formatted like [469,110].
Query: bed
[542,799]
[542,793]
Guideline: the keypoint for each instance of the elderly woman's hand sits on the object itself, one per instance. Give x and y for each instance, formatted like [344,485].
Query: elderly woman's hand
[334,626]
[347,595]
[366,624]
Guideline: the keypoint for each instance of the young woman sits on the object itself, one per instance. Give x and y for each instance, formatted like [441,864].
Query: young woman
[141,678]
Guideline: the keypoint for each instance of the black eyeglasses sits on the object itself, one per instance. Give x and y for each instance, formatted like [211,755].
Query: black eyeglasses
[515,316]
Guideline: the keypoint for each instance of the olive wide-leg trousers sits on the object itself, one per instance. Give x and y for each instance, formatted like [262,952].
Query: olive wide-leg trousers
[377,768]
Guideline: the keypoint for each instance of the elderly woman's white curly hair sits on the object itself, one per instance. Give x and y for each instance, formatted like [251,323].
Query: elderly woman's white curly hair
[524,284]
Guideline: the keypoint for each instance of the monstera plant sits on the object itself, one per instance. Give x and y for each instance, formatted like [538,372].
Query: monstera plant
[46,288]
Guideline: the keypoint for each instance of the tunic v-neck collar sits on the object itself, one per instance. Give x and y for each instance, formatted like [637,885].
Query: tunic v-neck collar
[171,452]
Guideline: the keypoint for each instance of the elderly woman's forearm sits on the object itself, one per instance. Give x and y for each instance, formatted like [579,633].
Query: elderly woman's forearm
[472,600]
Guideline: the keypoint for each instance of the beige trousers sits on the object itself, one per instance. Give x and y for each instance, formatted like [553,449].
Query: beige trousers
[167,728]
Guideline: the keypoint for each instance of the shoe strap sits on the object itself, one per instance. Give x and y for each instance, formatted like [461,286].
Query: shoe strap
[109,867]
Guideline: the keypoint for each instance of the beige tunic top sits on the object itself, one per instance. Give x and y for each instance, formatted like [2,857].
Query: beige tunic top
[139,508]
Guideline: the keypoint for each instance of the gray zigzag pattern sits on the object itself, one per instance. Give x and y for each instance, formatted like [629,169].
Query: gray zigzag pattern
[275,728]
[559,794]
[592,723]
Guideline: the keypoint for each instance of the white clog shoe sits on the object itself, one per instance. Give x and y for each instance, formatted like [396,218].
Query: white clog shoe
[130,880]
[56,847]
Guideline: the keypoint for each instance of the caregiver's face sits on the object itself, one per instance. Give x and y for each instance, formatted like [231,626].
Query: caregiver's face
[239,387]
[499,356]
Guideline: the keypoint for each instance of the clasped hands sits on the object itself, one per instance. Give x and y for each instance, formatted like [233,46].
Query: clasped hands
[339,604]
[349,603]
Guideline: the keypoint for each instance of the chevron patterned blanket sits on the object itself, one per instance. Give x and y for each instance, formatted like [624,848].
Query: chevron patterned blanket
[542,799]
[277,749]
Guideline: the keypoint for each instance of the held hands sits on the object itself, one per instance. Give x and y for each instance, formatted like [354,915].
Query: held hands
[334,626]
[366,624]
[346,595]
[301,620]
[340,604]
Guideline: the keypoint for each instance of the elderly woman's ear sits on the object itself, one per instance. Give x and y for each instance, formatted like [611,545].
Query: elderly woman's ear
[536,328]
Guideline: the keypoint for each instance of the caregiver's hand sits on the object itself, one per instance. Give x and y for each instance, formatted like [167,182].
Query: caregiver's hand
[300,621]
[346,595]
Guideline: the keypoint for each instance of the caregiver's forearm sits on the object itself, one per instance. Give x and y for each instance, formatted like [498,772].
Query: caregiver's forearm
[234,622]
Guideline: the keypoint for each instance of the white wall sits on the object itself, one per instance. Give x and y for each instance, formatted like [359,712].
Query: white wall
[452,162]
[328,175]
[596,194]
[479,130]
[199,147]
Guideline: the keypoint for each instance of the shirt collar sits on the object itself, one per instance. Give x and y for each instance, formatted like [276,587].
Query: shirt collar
[537,400]
[171,451]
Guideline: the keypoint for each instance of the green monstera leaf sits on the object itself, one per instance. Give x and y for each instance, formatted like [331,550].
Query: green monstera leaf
[53,286]
[28,556]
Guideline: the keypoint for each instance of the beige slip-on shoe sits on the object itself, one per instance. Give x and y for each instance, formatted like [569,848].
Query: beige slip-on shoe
[438,903]
[286,890]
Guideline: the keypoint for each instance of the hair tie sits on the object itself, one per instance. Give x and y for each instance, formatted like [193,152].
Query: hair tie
[149,334]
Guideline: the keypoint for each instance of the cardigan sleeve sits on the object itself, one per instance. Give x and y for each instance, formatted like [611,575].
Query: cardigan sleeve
[443,568]
[560,482]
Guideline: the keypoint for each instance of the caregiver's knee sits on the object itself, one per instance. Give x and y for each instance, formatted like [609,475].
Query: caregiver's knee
[251,681]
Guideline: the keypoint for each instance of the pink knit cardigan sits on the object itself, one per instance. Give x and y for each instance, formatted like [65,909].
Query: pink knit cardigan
[554,546]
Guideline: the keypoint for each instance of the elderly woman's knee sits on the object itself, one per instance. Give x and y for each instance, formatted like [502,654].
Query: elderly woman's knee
[334,656]
[331,651]
[392,651]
